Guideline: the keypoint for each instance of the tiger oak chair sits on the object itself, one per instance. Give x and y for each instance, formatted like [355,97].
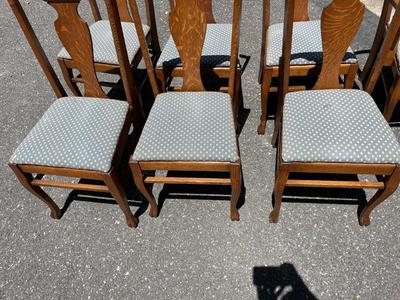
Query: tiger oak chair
[104,52]
[78,137]
[215,59]
[190,130]
[385,53]
[329,130]
[306,56]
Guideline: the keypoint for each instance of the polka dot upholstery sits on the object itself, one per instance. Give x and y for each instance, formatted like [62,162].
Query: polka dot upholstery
[189,126]
[306,44]
[216,48]
[336,126]
[103,42]
[75,132]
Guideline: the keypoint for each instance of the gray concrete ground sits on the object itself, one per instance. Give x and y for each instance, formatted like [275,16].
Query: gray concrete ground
[192,250]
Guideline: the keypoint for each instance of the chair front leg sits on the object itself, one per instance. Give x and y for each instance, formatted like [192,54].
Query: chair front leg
[391,183]
[25,179]
[141,186]
[118,193]
[280,183]
[236,185]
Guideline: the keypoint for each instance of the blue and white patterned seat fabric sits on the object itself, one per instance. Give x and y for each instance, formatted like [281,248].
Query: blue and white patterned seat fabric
[75,132]
[103,42]
[336,126]
[306,44]
[189,126]
[216,48]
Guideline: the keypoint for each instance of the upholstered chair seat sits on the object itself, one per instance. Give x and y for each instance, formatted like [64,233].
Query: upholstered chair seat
[189,126]
[342,126]
[75,132]
[103,42]
[306,44]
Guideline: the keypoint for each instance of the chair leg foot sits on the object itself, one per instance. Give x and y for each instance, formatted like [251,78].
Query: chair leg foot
[274,216]
[235,216]
[143,189]
[364,220]
[25,179]
[391,184]
[236,185]
[261,127]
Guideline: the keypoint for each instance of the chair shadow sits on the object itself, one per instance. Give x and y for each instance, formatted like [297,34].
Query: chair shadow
[335,196]
[135,199]
[282,282]
[198,192]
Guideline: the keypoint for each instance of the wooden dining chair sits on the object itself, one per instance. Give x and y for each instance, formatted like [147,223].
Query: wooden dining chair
[385,53]
[191,130]
[329,130]
[215,59]
[102,43]
[78,137]
[306,56]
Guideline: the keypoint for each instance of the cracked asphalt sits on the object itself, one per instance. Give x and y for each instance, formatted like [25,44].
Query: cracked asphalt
[192,250]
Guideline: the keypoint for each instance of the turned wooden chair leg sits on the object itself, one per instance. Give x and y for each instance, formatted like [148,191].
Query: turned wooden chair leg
[265,86]
[141,186]
[280,183]
[394,95]
[391,183]
[25,179]
[68,75]
[236,185]
[351,76]
[118,193]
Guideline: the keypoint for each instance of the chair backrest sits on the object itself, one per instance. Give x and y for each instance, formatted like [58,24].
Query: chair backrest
[300,14]
[188,26]
[340,22]
[74,34]
[383,50]
[205,5]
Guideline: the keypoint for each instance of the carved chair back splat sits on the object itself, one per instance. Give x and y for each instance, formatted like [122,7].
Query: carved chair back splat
[106,60]
[32,169]
[215,61]
[306,62]
[340,22]
[188,27]
[384,53]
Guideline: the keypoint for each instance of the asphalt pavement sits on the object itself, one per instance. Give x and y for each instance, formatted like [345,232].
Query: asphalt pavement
[192,250]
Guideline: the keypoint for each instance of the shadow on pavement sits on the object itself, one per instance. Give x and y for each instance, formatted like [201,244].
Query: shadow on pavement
[281,282]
